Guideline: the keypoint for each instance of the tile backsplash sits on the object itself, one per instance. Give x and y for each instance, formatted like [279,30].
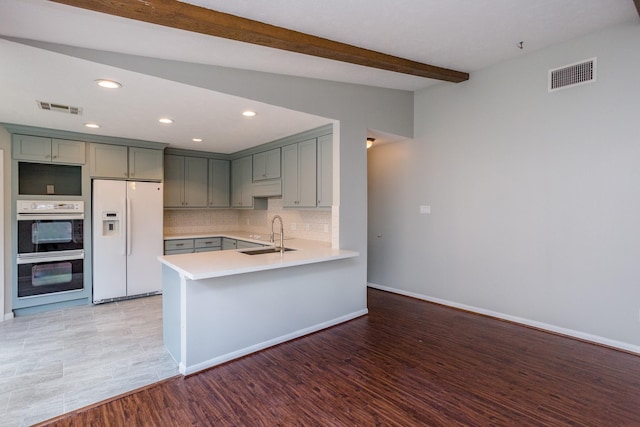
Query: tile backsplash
[312,224]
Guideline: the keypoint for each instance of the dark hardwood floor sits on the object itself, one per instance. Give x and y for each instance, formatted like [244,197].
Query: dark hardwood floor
[408,363]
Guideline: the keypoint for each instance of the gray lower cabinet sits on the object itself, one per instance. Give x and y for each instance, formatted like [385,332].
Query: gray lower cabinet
[207,244]
[243,244]
[241,183]
[178,246]
[185,181]
[48,150]
[219,177]
[122,162]
[299,174]
[228,244]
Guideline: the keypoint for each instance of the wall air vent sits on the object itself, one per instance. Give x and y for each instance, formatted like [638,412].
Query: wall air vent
[571,75]
[50,106]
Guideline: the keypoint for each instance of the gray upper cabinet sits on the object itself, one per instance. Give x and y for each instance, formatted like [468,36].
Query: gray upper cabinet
[219,175]
[299,178]
[145,164]
[266,165]
[185,182]
[119,161]
[241,182]
[48,150]
[325,171]
[108,161]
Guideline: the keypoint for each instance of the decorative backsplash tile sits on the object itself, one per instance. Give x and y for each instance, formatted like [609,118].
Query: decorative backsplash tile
[312,224]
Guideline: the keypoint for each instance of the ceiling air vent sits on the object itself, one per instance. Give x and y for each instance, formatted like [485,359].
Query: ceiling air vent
[50,106]
[567,76]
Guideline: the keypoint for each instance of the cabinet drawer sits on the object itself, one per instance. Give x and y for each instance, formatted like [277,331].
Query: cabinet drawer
[178,251]
[208,242]
[170,245]
[209,249]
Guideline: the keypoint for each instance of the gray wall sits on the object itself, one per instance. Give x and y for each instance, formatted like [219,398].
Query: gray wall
[535,196]
[356,107]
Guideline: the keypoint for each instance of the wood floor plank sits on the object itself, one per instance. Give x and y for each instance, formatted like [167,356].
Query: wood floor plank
[408,362]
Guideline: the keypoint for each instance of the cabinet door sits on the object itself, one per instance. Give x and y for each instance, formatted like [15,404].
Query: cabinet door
[266,165]
[145,164]
[247,182]
[108,161]
[325,171]
[229,244]
[236,184]
[26,147]
[173,181]
[218,183]
[307,173]
[259,166]
[290,176]
[241,181]
[195,182]
[66,151]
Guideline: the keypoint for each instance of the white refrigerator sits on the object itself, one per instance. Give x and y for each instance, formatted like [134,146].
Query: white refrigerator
[127,239]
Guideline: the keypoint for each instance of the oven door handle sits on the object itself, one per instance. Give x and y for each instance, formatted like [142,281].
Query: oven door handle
[51,216]
[50,257]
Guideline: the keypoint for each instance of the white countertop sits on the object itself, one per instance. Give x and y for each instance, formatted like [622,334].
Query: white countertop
[204,265]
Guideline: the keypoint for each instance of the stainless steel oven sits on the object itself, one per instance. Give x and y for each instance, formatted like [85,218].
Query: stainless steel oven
[50,255]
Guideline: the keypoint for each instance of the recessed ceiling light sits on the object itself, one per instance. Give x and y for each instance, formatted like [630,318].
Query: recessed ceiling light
[92,125]
[197,139]
[109,84]
[165,120]
[248,113]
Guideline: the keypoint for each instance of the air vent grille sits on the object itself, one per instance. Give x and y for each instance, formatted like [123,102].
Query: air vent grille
[572,75]
[50,106]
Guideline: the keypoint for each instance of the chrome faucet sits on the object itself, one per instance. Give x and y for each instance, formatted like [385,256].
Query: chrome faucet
[272,239]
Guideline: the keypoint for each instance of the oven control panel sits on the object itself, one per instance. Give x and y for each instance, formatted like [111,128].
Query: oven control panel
[49,207]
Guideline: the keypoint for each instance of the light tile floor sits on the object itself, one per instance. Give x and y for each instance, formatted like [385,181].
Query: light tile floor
[59,361]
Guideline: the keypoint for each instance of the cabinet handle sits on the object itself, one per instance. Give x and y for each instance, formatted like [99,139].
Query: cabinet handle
[179,244]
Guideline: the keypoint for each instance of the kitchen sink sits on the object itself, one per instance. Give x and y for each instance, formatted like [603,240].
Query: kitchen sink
[269,250]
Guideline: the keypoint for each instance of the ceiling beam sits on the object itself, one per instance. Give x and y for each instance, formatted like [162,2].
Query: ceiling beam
[183,16]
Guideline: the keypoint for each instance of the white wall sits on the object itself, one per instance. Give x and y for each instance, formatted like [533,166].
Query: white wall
[535,196]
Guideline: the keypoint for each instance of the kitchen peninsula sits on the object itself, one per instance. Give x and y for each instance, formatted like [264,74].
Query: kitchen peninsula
[218,306]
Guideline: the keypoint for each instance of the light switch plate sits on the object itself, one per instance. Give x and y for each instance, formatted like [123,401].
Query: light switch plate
[425,209]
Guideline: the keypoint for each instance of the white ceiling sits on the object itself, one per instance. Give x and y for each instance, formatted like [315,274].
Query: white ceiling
[466,35]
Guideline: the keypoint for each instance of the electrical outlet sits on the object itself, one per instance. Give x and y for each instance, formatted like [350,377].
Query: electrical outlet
[294,227]
[326,228]
[425,209]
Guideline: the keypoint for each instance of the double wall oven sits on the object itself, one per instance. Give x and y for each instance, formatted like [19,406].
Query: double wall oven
[50,256]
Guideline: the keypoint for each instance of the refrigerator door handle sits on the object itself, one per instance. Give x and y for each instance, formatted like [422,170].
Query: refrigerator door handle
[128,226]
[123,235]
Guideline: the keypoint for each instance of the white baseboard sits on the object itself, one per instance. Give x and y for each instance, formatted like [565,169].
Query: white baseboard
[539,325]
[7,316]
[188,370]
